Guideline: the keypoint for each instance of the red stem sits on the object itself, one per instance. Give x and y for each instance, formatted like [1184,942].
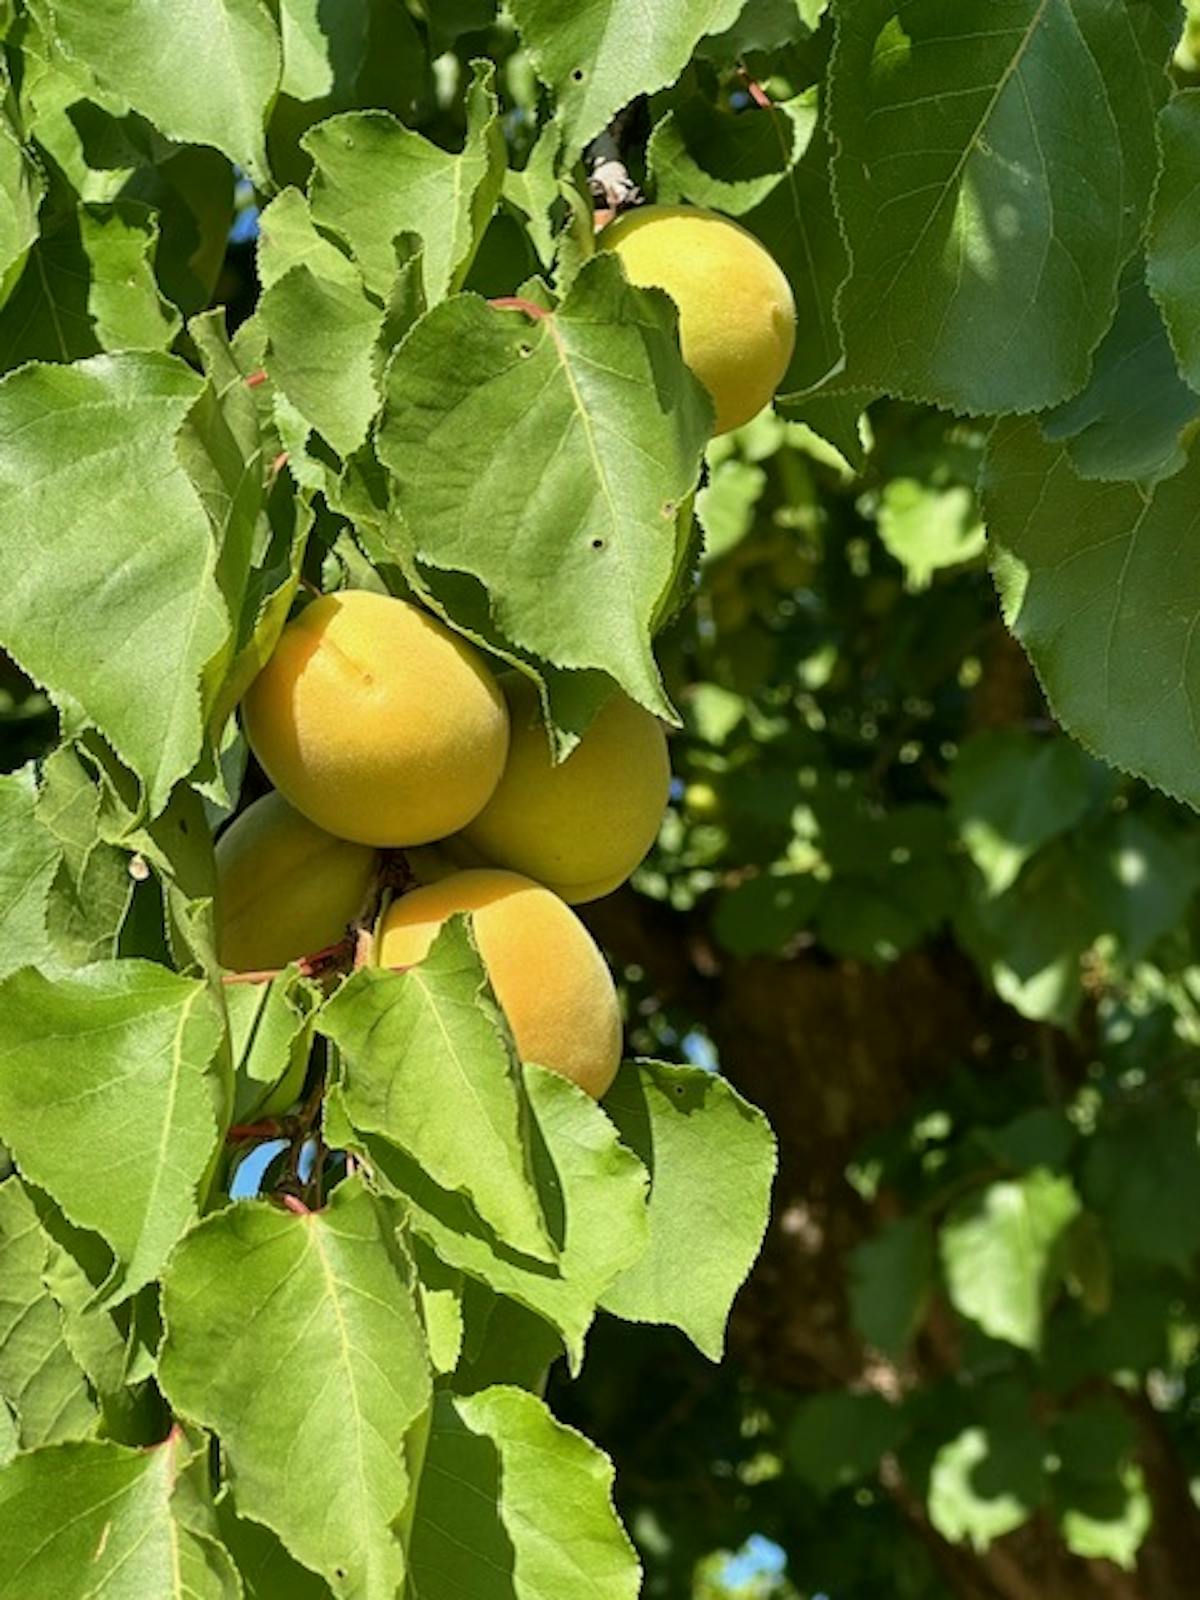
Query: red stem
[254,379]
[755,90]
[514,302]
[294,1203]
[270,1129]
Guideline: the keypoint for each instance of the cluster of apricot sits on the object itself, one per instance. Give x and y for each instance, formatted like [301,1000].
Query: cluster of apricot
[382,729]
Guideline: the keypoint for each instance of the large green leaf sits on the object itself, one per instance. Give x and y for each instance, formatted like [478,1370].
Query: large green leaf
[1011,792]
[303,1328]
[21,189]
[561,444]
[1127,422]
[593,1194]
[322,335]
[94,1519]
[513,1506]
[711,1159]
[103,524]
[228,65]
[41,1382]
[29,859]
[376,179]
[992,181]
[430,1067]
[88,286]
[770,170]
[997,1251]
[1098,584]
[1174,242]
[891,1280]
[598,57]
[105,1100]
[92,888]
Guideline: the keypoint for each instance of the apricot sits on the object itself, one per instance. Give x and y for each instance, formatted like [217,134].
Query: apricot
[580,827]
[548,975]
[737,316]
[377,722]
[285,888]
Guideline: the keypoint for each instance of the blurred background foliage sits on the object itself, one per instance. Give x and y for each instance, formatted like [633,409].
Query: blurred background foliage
[955,959]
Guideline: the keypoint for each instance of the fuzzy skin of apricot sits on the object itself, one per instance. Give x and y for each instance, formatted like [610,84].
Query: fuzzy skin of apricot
[285,888]
[580,827]
[377,722]
[548,975]
[737,315]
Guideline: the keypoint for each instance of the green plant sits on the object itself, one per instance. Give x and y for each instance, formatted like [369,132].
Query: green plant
[950,949]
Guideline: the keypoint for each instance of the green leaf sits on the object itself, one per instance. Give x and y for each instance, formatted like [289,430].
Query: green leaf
[105,1101]
[985,1483]
[837,1439]
[703,155]
[430,1066]
[41,1382]
[711,1160]
[88,286]
[559,444]
[992,183]
[288,237]
[598,58]
[760,915]
[303,1328]
[93,888]
[322,336]
[1144,1180]
[1174,242]
[1030,940]
[892,1277]
[376,179]
[1097,583]
[928,528]
[1128,421]
[270,1034]
[1099,1492]
[1012,791]
[29,860]
[1146,879]
[21,189]
[593,1195]
[104,524]
[264,1566]
[228,59]
[91,1519]
[997,1251]
[514,1506]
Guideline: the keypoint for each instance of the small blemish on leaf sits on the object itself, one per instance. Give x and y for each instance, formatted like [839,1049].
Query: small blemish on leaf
[597,544]
[524,351]
[669,509]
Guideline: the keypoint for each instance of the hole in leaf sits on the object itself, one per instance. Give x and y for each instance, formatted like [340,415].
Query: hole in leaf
[597,544]
[524,350]
[668,510]
[578,75]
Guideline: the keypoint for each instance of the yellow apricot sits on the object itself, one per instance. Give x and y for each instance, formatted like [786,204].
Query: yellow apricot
[580,827]
[377,722]
[285,888]
[737,317]
[547,973]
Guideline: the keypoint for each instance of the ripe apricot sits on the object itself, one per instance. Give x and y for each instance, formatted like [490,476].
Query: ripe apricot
[737,316]
[377,722]
[580,827]
[548,975]
[285,888]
